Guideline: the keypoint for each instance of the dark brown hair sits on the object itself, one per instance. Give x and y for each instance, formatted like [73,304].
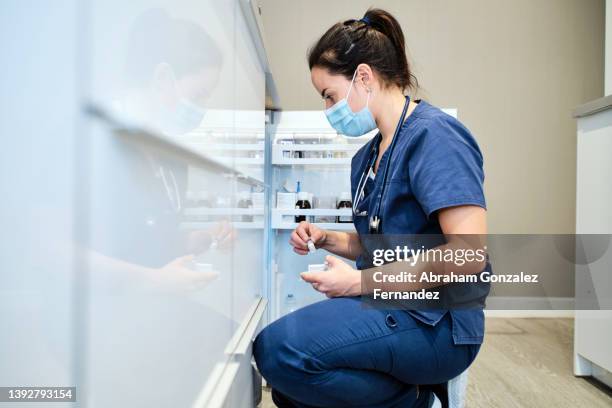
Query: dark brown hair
[376,40]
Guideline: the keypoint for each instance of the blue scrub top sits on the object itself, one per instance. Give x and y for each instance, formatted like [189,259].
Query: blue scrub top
[436,164]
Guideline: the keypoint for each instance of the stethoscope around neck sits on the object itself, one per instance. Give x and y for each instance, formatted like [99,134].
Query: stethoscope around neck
[374,224]
[170,184]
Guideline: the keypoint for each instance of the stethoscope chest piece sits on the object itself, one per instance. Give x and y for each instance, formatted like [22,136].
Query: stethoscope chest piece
[374,224]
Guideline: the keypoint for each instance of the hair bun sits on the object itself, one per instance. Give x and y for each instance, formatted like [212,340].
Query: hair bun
[376,39]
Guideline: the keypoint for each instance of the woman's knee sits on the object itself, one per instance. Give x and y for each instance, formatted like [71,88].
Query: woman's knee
[281,359]
[263,352]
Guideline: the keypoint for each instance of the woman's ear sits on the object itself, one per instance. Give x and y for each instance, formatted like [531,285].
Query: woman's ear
[164,79]
[365,76]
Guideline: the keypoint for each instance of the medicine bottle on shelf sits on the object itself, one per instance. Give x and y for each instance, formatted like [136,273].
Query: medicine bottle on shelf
[244,201]
[344,201]
[302,203]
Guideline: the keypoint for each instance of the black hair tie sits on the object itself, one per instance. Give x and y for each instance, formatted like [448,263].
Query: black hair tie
[366,21]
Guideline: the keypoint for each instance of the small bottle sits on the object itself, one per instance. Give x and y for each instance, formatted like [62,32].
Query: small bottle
[290,303]
[244,201]
[303,203]
[344,201]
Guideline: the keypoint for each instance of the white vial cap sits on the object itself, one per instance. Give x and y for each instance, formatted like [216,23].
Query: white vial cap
[311,246]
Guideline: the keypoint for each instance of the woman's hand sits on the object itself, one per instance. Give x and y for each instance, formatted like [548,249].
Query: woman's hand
[220,236]
[178,275]
[304,232]
[338,280]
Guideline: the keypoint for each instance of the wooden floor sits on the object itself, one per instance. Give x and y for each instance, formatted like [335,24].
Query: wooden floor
[526,363]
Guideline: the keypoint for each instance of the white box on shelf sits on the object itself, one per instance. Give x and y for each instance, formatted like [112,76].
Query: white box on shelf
[286,201]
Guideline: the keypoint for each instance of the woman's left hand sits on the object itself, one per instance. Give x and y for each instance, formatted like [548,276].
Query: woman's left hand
[338,280]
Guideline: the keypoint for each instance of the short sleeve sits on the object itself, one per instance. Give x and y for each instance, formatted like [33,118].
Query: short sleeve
[446,166]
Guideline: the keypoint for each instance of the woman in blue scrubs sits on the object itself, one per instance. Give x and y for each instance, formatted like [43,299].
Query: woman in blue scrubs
[421,174]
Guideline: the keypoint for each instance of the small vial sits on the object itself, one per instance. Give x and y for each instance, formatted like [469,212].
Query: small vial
[203,267]
[317,267]
[214,245]
[311,246]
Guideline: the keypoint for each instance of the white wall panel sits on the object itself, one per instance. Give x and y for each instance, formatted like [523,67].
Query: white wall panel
[250,126]
[38,119]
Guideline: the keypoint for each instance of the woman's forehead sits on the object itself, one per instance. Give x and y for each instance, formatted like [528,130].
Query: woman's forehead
[323,79]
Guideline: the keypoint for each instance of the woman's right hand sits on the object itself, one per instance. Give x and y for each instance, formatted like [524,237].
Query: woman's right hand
[179,275]
[304,232]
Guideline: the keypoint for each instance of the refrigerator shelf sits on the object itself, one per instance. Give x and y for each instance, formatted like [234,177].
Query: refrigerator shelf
[334,226]
[283,153]
[254,161]
[314,161]
[223,211]
[279,218]
[236,224]
[126,129]
[232,147]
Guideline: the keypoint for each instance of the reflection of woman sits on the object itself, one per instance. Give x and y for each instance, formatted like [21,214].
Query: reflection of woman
[422,174]
[171,67]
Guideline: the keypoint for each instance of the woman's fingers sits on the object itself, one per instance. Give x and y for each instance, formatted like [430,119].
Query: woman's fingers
[331,261]
[297,242]
[317,281]
[313,277]
[316,234]
[181,262]
[303,231]
[298,246]
[300,251]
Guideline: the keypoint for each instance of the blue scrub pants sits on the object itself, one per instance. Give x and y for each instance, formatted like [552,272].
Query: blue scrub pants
[340,353]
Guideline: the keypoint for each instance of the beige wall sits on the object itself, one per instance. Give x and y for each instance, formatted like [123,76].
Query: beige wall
[514,69]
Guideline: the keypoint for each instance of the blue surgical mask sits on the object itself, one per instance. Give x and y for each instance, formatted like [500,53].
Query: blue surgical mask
[347,122]
[185,117]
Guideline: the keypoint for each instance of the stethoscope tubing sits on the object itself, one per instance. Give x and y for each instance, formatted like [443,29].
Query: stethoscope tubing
[374,222]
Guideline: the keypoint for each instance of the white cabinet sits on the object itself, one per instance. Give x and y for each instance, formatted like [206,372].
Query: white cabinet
[593,328]
[39,119]
[134,132]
